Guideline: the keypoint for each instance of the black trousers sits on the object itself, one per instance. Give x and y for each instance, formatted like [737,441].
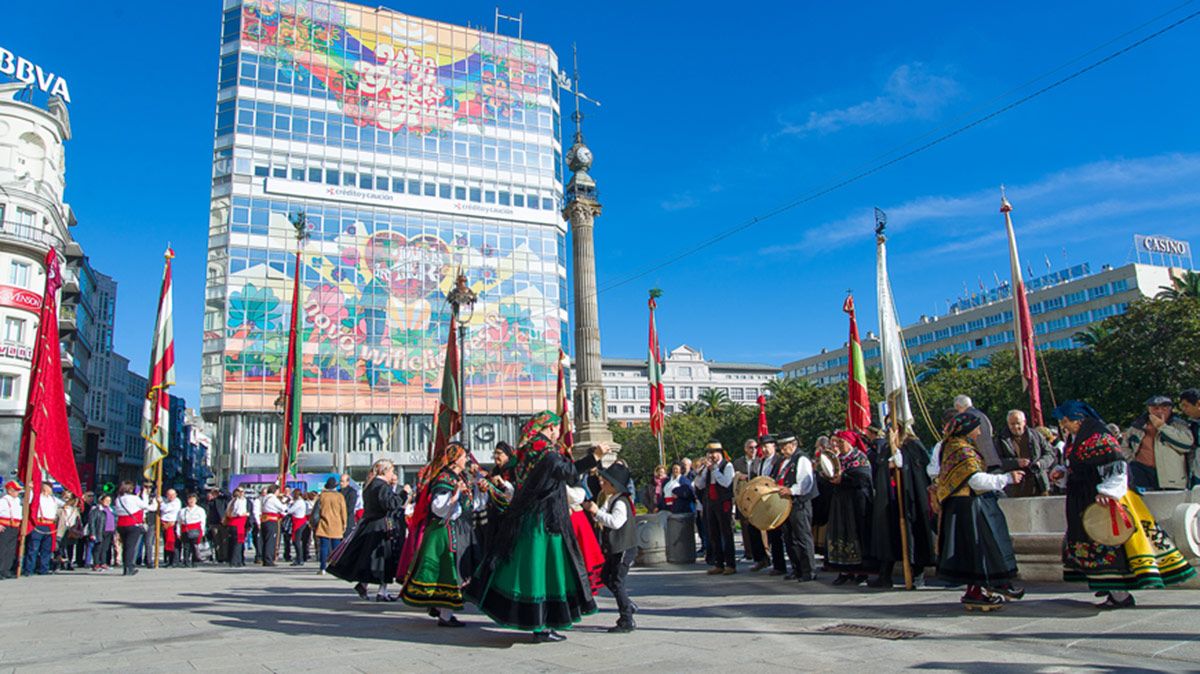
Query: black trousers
[798,538]
[237,551]
[102,551]
[8,551]
[190,548]
[720,534]
[270,541]
[300,544]
[130,537]
[775,538]
[616,567]
[754,543]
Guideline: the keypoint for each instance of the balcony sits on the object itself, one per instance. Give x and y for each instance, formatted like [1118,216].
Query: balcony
[66,320]
[70,282]
[29,236]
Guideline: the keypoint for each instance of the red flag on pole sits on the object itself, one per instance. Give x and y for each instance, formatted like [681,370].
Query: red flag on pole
[1022,322]
[156,409]
[293,383]
[45,436]
[858,403]
[654,368]
[762,421]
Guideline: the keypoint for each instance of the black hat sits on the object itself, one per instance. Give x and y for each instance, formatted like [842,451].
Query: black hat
[617,475]
[785,439]
[762,440]
[1154,401]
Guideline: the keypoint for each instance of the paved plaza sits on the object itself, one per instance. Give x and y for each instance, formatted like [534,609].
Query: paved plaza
[288,620]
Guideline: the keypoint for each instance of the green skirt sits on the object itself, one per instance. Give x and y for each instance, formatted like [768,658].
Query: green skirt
[434,580]
[537,587]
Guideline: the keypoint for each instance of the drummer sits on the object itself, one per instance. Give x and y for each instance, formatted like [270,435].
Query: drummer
[764,466]
[797,482]
[772,464]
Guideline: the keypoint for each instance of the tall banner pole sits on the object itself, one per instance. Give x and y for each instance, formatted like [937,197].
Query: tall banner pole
[26,513]
[158,519]
[894,441]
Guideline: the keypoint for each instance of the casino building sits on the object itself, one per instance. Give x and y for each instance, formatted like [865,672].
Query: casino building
[414,149]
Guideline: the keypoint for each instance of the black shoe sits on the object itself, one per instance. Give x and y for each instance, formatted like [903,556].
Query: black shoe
[880,581]
[841,579]
[297,564]
[133,571]
[807,579]
[361,590]
[776,572]
[861,580]
[622,627]
[547,637]
[452,622]
[1110,603]
[435,612]
[1010,591]
[790,576]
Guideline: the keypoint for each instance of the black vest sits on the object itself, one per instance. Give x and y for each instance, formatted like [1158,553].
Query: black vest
[723,494]
[785,472]
[619,540]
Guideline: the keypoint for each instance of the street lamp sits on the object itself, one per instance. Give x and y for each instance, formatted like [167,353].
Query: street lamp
[462,303]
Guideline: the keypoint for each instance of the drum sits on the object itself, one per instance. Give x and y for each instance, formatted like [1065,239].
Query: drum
[762,505]
[739,484]
[1106,525]
[827,463]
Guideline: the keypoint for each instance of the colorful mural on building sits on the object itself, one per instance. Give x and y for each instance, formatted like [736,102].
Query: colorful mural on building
[399,73]
[375,322]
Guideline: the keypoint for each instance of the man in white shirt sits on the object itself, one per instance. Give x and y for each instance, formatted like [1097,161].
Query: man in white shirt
[715,479]
[192,522]
[797,482]
[38,546]
[168,516]
[11,512]
[618,539]
[759,467]
[273,511]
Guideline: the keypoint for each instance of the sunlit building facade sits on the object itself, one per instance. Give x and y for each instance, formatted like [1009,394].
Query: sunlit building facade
[414,149]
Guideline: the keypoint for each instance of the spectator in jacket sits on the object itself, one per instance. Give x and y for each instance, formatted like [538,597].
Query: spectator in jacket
[985,442]
[1023,448]
[350,494]
[1157,445]
[1189,403]
[101,526]
[331,521]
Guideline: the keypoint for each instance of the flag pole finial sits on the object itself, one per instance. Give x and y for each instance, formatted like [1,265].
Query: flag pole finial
[1005,207]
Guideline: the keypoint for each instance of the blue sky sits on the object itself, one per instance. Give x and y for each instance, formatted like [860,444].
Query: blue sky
[709,117]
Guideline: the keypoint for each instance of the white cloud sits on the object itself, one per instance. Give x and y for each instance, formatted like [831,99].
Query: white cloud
[678,202]
[911,92]
[1077,204]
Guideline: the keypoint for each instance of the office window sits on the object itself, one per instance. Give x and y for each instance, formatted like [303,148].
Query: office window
[519,200]
[365,181]
[398,185]
[261,171]
[414,187]
[505,199]
[460,193]
[476,194]
[314,175]
[8,386]
[627,393]
[18,273]
[669,391]
[612,409]
[645,409]
[736,394]
[297,174]
[331,176]
[627,409]
[685,392]
[683,371]
[489,197]
[444,191]
[381,183]
[14,329]
[430,190]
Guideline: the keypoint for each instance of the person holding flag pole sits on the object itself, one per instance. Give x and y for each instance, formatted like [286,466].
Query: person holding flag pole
[45,413]
[156,411]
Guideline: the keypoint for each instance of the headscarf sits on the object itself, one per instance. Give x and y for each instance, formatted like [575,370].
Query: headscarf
[853,438]
[443,458]
[540,422]
[1076,410]
[962,424]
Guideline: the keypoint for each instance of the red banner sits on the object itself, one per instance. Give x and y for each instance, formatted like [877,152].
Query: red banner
[20,298]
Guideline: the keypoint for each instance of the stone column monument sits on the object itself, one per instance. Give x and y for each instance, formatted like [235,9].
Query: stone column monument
[581,210]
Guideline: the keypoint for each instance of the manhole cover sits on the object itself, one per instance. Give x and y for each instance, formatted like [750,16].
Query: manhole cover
[869,631]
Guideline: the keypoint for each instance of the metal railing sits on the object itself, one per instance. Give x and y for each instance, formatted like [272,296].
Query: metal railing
[22,231]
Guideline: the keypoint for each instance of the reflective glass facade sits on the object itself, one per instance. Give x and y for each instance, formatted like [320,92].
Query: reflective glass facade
[414,148]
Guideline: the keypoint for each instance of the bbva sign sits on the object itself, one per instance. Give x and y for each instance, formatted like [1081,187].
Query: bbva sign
[26,71]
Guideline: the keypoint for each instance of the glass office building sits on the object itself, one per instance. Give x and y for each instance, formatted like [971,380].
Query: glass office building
[414,149]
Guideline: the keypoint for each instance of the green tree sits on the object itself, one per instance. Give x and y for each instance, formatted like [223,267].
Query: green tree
[1092,335]
[1184,286]
[716,402]
[945,361]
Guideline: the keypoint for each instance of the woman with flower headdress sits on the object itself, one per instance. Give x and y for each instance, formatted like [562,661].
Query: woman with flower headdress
[534,577]
[1096,473]
[976,548]
[446,557]
[848,533]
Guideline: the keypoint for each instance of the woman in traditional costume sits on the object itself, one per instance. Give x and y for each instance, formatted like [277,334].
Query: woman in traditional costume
[447,554]
[370,554]
[534,577]
[848,534]
[1096,473]
[910,463]
[976,549]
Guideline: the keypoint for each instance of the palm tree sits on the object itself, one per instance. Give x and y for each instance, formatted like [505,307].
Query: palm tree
[692,407]
[715,401]
[1186,285]
[947,361]
[1092,335]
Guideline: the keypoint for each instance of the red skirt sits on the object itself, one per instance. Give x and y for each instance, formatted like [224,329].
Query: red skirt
[593,556]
